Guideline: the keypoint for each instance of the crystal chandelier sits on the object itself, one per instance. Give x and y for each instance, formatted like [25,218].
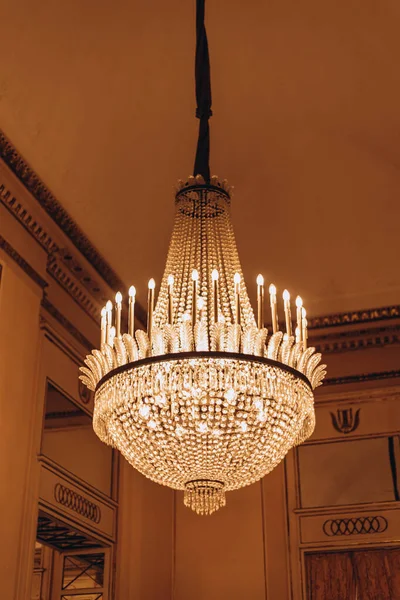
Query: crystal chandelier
[206,400]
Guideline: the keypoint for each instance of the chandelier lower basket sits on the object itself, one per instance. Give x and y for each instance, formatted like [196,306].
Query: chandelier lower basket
[204,422]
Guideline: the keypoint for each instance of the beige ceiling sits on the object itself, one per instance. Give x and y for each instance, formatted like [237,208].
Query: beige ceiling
[98,97]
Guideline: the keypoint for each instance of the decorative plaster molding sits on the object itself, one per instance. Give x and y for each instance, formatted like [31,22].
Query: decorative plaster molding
[355,317]
[21,262]
[71,285]
[53,208]
[355,526]
[357,340]
[361,378]
[79,504]
[72,330]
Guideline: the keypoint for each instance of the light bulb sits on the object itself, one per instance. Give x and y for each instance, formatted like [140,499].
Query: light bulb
[200,303]
[103,311]
[299,302]
[118,297]
[152,284]
[286,295]
[303,313]
[132,291]
[109,305]
[170,280]
[236,278]
[260,280]
[215,275]
[195,275]
[272,289]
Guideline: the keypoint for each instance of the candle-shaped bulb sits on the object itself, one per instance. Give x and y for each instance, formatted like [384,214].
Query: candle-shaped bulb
[131,310]
[236,278]
[215,275]
[299,305]
[195,275]
[303,313]
[118,309]
[274,311]
[200,303]
[150,307]
[170,280]
[288,316]
[108,320]
[103,326]
[260,301]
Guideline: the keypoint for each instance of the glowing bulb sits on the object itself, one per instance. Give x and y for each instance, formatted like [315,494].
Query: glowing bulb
[200,303]
[170,280]
[286,295]
[152,424]
[299,302]
[109,305]
[152,284]
[103,312]
[202,427]
[236,278]
[303,313]
[144,411]
[215,275]
[272,289]
[243,426]
[260,280]
[230,395]
[180,430]
[195,275]
[185,317]
[118,297]
[132,291]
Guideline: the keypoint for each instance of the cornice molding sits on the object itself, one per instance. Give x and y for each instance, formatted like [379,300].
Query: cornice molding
[66,324]
[21,262]
[355,317]
[349,341]
[361,378]
[53,208]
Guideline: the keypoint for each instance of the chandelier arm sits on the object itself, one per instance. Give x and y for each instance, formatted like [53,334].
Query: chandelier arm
[203,95]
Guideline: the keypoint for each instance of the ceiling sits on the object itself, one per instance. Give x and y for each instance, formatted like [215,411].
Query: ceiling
[99,99]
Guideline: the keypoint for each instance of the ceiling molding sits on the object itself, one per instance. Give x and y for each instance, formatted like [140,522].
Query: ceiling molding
[53,208]
[355,317]
[362,377]
[21,262]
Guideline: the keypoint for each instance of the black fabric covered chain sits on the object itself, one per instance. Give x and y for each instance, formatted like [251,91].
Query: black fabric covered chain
[203,95]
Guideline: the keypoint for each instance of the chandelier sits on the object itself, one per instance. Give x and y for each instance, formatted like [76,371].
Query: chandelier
[207,400]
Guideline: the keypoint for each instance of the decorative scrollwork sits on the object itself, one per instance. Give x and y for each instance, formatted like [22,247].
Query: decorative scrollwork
[355,526]
[74,501]
[344,421]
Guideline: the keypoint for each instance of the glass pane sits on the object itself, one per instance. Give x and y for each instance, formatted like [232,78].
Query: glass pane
[83,571]
[350,472]
[83,597]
